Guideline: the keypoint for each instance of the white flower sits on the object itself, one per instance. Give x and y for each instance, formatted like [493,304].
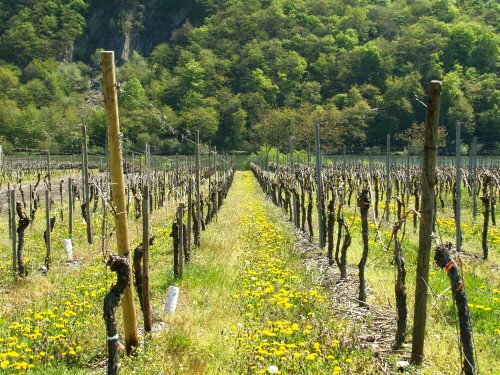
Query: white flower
[272,369]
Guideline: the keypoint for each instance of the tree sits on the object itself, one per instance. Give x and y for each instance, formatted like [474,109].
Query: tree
[486,51]
[132,95]
[460,45]
[455,106]
[204,119]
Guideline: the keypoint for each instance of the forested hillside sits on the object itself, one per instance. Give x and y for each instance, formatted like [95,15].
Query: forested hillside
[247,72]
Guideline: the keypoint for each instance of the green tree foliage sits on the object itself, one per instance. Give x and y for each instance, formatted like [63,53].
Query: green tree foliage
[246,72]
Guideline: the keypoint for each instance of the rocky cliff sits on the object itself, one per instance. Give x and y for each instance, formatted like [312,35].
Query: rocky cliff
[127,26]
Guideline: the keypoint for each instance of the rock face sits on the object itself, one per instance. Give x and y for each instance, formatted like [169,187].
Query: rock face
[127,26]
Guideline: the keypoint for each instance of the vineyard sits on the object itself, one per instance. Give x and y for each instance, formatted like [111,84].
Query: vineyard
[305,263]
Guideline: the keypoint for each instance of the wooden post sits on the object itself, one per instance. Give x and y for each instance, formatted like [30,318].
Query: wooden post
[473,176]
[118,191]
[48,168]
[12,220]
[458,188]
[148,166]
[344,154]
[190,216]
[133,165]
[70,207]
[388,178]
[215,163]
[292,167]
[31,206]
[9,207]
[407,176]
[85,167]
[181,239]
[198,194]
[319,186]
[145,260]
[47,229]
[426,220]
[371,164]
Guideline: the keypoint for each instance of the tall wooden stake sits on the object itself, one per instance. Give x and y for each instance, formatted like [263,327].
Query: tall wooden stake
[388,182]
[474,176]
[48,169]
[86,183]
[9,207]
[295,205]
[181,239]
[118,191]
[426,220]
[70,207]
[190,215]
[12,219]
[458,188]
[319,188]
[145,260]
[198,194]
[48,240]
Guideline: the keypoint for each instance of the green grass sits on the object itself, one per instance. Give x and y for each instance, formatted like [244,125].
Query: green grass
[192,341]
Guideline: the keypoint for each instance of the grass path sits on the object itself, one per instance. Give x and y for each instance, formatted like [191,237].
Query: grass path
[246,304]
[190,341]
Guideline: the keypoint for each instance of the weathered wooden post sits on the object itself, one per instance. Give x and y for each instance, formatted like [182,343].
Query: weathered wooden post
[458,188]
[198,194]
[118,191]
[319,189]
[474,176]
[388,191]
[344,157]
[145,260]
[292,170]
[70,207]
[181,239]
[86,185]
[48,169]
[47,229]
[9,208]
[189,217]
[12,220]
[407,178]
[426,220]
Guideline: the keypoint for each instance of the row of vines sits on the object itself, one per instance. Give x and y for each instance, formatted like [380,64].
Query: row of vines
[377,208]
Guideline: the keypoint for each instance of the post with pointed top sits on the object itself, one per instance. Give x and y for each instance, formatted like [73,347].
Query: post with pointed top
[292,166]
[198,194]
[426,220]
[319,186]
[118,191]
